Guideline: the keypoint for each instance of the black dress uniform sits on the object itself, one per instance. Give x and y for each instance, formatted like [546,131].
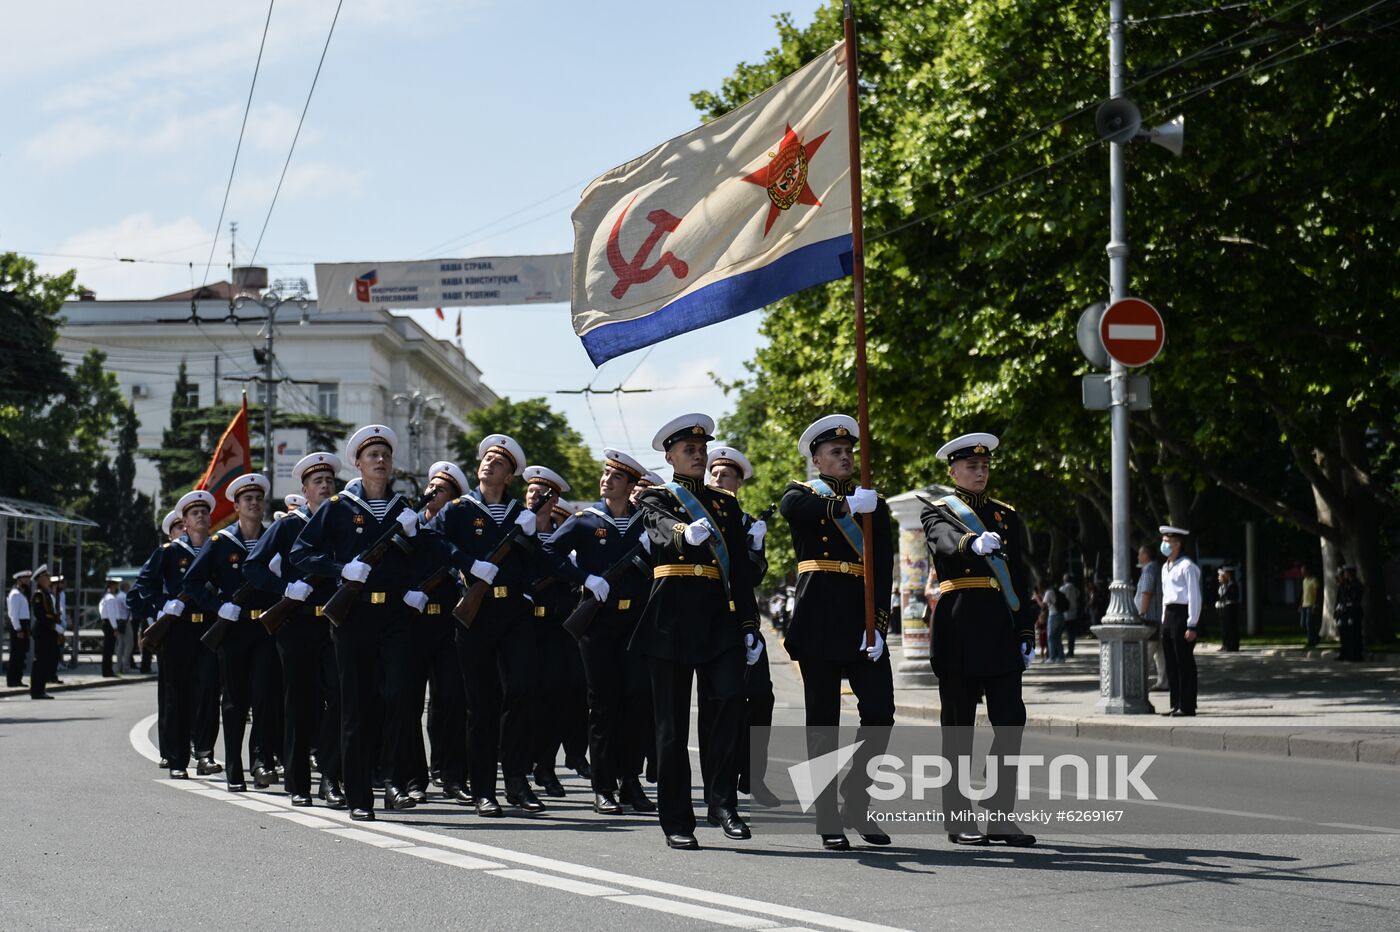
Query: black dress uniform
[497,652]
[619,685]
[43,630]
[693,628]
[376,657]
[249,671]
[162,578]
[310,689]
[1349,615]
[1227,605]
[561,697]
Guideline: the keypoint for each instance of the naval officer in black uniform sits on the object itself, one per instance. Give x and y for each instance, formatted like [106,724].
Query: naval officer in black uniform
[699,614]
[983,628]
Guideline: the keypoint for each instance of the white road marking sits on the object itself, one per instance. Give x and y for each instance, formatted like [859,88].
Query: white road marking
[252,804]
[556,883]
[301,818]
[446,857]
[695,911]
[369,838]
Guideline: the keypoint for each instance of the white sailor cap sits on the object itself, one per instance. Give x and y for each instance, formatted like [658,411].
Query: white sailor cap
[547,476]
[168,522]
[312,463]
[728,456]
[41,570]
[367,436]
[278,516]
[976,444]
[1171,529]
[685,427]
[506,446]
[651,478]
[249,480]
[113,581]
[619,460]
[293,500]
[22,574]
[831,427]
[442,469]
[196,497]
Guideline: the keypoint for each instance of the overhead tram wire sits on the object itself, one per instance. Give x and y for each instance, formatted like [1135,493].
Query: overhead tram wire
[297,135]
[247,107]
[450,243]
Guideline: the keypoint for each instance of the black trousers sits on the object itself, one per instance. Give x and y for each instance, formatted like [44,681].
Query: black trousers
[561,697]
[958,697]
[1351,634]
[310,701]
[1230,627]
[376,663]
[207,698]
[619,703]
[721,696]
[109,647]
[873,685]
[178,655]
[247,659]
[497,654]
[19,652]
[758,713]
[44,670]
[447,704]
[1181,658]
[146,653]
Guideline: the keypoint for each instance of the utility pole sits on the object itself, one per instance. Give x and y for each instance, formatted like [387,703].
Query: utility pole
[270,302]
[417,404]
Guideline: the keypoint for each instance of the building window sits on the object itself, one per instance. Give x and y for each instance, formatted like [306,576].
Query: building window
[192,396]
[328,399]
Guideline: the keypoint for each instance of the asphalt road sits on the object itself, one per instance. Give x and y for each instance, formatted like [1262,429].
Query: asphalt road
[94,836]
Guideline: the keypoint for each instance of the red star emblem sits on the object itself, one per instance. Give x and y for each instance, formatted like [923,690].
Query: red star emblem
[785,175]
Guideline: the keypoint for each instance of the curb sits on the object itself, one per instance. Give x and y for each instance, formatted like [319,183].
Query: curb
[7,693]
[1313,745]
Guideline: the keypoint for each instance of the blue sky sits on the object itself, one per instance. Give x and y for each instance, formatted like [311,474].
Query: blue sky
[437,128]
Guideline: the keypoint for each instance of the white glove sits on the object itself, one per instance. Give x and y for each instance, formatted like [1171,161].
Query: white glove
[645,541]
[753,648]
[408,521]
[526,522]
[876,650]
[985,543]
[229,611]
[861,501]
[598,586]
[356,570]
[757,531]
[696,532]
[416,600]
[275,564]
[486,572]
[173,607]
[1027,652]
[299,590]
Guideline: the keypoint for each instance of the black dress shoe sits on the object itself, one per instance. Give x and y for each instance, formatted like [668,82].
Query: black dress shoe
[763,796]
[875,838]
[1182,713]
[967,838]
[417,795]
[280,771]
[457,793]
[728,820]
[1169,713]
[518,793]
[633,795]
[207,766]
[604,804]
[177,773]
[549,782]
[1014,839]
[682,841]
[836,843]
[42,696]
[579,765]
[164,764]
[331,794]
[263,777]
[397,799]
[301,800]
[239,787]
[488,808]
[361,815]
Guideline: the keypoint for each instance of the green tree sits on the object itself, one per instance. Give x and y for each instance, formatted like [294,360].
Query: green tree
[545,436]
[126,517]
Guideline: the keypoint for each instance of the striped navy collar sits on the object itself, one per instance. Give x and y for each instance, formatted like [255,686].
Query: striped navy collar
[365,505]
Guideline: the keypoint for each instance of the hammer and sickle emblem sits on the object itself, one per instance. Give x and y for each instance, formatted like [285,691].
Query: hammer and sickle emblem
[636,272]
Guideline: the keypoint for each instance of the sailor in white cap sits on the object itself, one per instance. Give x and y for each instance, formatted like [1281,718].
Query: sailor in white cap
[310,690]
[826,633]
[497,652]
[694,628]
[17,616]
[650,480]
[377,658]
[584,549]
[1181,612]
[983,629]
[43,611]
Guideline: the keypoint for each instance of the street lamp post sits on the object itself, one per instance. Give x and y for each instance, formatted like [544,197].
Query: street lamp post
[271,301]
[418,403]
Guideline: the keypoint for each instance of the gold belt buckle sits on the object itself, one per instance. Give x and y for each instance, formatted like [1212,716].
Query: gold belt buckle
[731,605]
[845,566]
[992,582]
[320,611]
[624,604]
[499,592]
[197,618]
[255,614]
[378,598]
[434,608]
[539,611]
[698,570]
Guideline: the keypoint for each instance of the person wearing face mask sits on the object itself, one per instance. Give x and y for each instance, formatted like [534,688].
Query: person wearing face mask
[1181,612]
[983,629]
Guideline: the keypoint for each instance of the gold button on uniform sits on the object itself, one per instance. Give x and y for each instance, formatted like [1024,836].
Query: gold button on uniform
[845,566]
[699,570]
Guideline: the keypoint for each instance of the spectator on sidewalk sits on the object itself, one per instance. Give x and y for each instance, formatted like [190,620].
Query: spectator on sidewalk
[1054,601]
[17,623]
[109,612]
[1042,626]
[1071,609]
[1309,607]
[1349,615]
[1181,612]
[1149,606]
[1227,606]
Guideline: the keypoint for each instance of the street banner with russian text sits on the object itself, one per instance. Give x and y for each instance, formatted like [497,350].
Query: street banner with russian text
[723,220]
[439,283]
[232,458]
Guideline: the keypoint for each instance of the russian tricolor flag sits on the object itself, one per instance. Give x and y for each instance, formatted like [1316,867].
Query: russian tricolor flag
[723,220]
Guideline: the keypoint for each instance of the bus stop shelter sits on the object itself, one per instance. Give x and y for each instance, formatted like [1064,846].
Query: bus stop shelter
[32,534]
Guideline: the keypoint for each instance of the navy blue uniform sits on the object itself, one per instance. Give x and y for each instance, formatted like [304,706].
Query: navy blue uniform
[561,696]
[161,579]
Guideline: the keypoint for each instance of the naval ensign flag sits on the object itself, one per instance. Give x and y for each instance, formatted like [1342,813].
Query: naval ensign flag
[721,221]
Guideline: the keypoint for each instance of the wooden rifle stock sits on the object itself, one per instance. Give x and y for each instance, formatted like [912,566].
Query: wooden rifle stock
[275,617]
[155,633]
[578,621]
[435,581]
[470,604]
[214,637]
[338,605]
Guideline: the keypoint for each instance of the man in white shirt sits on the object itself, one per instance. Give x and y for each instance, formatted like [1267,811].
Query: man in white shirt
[17,618]
[109,611]
[1181,611]
[1071,611]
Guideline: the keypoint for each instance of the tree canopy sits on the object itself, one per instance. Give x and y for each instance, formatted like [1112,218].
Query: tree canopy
[545,436]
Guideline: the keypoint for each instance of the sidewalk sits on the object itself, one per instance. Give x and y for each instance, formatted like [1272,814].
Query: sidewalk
[86,675]
[1257,701]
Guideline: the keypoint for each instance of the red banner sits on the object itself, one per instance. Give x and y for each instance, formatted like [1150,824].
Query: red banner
[232,458]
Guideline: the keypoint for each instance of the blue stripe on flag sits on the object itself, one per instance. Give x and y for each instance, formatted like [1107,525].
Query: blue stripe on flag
[815,264]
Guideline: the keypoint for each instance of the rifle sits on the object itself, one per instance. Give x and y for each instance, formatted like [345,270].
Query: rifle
[275,617]
[155,633]
[470,604]
[578,621]
[214,637]
[435,581]
[338,606]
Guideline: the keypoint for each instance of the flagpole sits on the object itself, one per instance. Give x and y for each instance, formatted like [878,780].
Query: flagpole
[858,276]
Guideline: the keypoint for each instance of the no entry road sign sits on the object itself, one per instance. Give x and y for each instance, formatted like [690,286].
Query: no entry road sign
[1132,331]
